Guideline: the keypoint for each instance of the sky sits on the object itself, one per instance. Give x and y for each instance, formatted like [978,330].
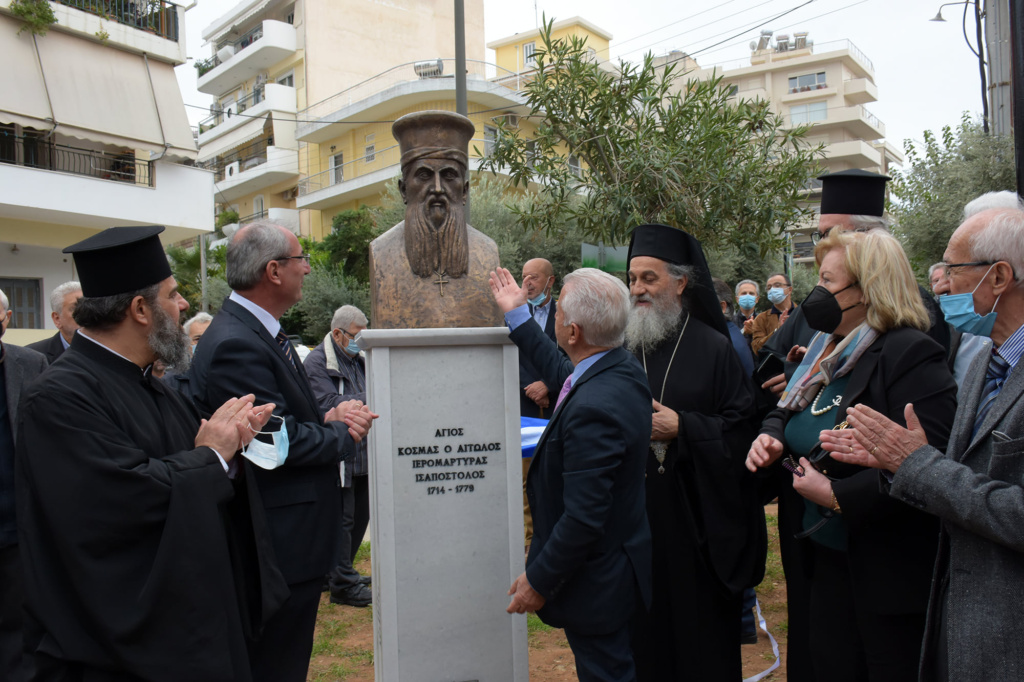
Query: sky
[925,72]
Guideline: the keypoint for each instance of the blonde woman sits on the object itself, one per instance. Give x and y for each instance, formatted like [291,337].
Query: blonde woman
[871,556]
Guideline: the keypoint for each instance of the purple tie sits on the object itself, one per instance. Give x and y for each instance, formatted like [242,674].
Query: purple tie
[564,392]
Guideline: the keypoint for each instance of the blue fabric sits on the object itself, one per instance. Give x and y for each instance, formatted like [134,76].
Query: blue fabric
[742,348]
[530,429]
[998,369]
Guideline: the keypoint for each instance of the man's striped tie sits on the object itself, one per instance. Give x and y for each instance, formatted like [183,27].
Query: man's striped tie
[994,378]
[286,346]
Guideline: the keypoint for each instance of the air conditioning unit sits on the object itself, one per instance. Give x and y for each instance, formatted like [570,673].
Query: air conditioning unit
[428,69]
[225,53]
[511,120]
[290,194]
[232,170]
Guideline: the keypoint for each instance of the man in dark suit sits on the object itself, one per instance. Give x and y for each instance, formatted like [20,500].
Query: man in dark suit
[973,630]
[246,350]
[62,304]
[590,559]
[18,367]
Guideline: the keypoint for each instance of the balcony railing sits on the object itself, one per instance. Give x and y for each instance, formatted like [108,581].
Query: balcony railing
[250,37]
[252,99]
[247,157]
[34,152]
[156,16]
[258,215]
[365,164]
[817,48]
[413,71]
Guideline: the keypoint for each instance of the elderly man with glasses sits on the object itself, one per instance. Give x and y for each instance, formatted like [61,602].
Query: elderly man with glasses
[337,373]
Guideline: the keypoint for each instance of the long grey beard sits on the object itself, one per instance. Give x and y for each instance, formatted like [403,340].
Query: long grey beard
[443,249]
[168,340]
[649,326]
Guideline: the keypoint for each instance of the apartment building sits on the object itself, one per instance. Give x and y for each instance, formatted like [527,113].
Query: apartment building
[824,86]
[93,134]
[305,92]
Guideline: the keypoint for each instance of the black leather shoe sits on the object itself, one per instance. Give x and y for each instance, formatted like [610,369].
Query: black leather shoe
[748,637]
[365,580]
[354,595]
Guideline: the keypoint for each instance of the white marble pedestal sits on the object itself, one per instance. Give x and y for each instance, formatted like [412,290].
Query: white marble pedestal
[446,504]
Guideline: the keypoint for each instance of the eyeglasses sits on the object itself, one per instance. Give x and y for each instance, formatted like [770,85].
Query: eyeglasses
[818,236]
[973,264]
[301,256]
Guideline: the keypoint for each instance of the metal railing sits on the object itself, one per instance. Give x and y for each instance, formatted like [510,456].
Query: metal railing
[257,95]
[258,215]
[155,16]
[817,48]
[834,114]
[404,73]
[247,157]
[380,160]
[247,39]
[34,152]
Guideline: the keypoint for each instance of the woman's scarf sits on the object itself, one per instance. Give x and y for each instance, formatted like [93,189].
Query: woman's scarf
[804,385]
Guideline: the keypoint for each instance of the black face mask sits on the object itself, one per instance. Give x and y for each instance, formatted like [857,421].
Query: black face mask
[822,311]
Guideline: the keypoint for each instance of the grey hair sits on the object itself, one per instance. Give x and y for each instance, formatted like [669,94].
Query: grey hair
[58,294]
[252,247]
[866,223]
[757,287]
[598,303]
[5,305]
[199,317]
[1001,238]
[933,268]
[1004,199]
[103,313]
[677,272]
[345,316]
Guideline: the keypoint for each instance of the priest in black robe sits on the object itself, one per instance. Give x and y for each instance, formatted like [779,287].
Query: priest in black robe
[707,525]
[134,536]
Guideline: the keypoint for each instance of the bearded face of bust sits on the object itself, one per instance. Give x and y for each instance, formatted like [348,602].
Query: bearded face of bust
[434,191]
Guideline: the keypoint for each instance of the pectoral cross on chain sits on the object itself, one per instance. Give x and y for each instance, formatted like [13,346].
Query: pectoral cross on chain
[441,281]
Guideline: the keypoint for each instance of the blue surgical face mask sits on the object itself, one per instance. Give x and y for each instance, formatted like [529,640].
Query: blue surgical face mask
[958,309]
[747,301]
[268,455]
[353,347]
[539,298]
[777,295]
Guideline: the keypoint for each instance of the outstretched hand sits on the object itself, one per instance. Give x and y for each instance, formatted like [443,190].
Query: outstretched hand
[507,294]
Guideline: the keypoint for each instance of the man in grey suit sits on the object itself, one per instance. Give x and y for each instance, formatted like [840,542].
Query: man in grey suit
[18,367]
[974,629]
[62,304]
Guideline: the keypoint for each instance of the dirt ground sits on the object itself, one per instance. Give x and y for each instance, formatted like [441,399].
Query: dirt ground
[343,644]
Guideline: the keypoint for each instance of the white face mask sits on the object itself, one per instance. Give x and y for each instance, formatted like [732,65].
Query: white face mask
[268,455]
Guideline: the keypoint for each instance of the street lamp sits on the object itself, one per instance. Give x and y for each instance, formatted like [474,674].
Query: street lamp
[979,53]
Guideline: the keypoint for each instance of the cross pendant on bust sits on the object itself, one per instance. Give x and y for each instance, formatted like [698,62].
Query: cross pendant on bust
[441,281]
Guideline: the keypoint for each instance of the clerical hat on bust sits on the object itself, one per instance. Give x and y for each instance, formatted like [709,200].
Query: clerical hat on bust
[433,135]
[120,260]
[853,192]
[675,246]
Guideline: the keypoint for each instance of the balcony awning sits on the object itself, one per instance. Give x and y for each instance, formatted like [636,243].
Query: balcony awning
[248,131]
[93,92]
[236,17]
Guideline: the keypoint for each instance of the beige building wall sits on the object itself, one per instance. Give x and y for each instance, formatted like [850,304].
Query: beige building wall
[348,41]
[512,53]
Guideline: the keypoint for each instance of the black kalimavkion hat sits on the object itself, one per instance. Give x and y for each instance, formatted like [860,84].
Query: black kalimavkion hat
[120,260]
[853,192]
[675,246]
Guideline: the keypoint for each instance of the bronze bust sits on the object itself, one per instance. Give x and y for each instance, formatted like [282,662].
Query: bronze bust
[431,269]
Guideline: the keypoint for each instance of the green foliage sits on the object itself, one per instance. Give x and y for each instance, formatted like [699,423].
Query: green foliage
[325,289]
[942,176]
[226,217]
[651,148]
[734,263]
[186,266]
[37,15]
[497,213]
[204,65]
[349,242]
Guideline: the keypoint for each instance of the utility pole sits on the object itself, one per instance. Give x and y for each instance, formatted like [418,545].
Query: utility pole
[1017,41]
[461,105]
[1000,78]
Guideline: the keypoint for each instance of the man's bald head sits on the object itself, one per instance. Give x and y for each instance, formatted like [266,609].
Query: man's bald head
[538,278]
